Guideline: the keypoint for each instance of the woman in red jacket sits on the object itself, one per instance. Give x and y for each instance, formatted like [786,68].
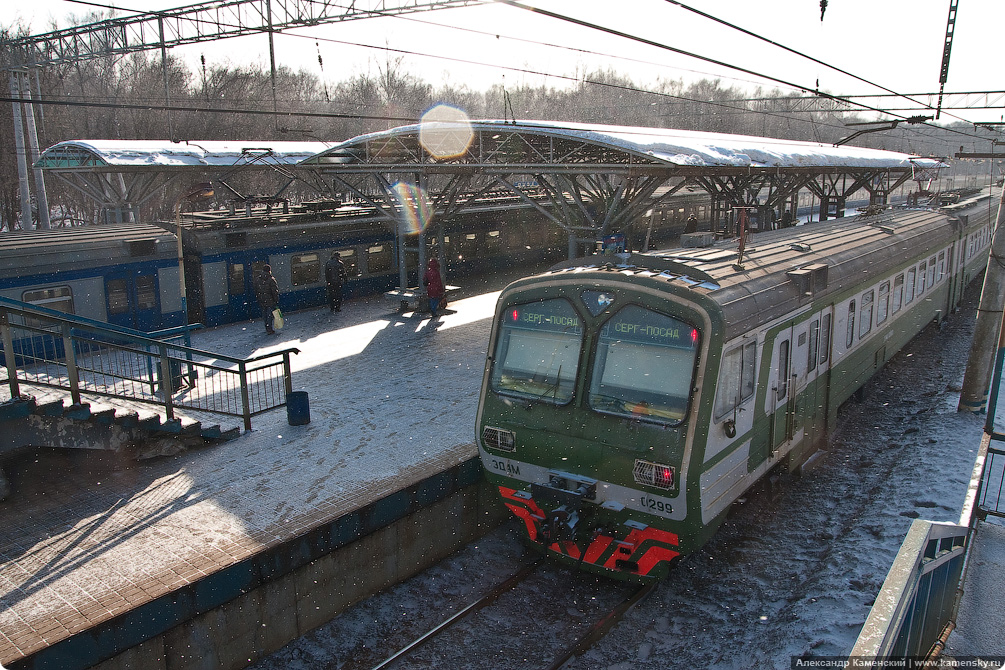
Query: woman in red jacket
[434,285]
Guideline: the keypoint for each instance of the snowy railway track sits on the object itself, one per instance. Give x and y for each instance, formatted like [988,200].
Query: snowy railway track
[552,661]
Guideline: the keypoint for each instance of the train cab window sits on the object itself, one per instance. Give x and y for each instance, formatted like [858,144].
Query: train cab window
[865,314]
[931,272]
[305,269]
[922,271]
[883,303]
[850,338]
[644,366]
[378,258]
[825,338]
[782,389]
[909,286]
[235,279]
[736,379]
[898,294]
[118,296]
[146,292]
[537,351]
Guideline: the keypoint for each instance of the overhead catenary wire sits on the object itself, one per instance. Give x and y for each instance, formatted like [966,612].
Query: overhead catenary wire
[753,73]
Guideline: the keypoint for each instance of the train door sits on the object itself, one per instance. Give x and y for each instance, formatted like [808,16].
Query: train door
[812,405]
[243,304]
[789,375]
[132,299]
[240,292]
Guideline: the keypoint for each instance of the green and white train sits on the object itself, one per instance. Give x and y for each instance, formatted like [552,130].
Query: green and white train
[626,405]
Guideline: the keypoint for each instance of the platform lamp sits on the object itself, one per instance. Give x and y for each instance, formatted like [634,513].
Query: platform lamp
[194,193]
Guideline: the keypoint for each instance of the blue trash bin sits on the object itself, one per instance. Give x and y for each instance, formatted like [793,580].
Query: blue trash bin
[298,408]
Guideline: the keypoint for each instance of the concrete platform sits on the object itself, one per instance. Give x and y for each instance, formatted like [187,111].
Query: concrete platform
[978,631]
[87,539]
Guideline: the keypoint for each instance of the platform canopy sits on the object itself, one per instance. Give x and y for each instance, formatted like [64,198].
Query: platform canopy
[123,174]
[593,179]
[566,144]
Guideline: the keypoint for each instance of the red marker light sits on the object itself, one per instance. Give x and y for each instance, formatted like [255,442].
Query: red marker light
[516,314]
[664,476]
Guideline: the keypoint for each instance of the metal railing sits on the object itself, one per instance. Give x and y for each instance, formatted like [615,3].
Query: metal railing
[48,348]
[988,499]
[917,599]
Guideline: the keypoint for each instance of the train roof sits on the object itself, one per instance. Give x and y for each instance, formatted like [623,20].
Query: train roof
[28,252]
[168,154]
[784,270]
[667,146]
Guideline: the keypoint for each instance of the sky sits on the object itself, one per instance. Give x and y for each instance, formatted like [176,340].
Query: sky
[894,44]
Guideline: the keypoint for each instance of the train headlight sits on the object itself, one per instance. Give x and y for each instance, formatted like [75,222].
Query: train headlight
[497,438]
[653,474]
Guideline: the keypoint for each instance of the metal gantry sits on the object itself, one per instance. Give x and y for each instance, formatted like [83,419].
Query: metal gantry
[146,31]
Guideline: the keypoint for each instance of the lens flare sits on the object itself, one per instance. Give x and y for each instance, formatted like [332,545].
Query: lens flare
[414,206]
[445,132]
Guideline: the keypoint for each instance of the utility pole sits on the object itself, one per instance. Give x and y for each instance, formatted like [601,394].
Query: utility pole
[977,378]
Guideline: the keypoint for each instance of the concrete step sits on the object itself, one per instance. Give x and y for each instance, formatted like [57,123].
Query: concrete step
[16,408]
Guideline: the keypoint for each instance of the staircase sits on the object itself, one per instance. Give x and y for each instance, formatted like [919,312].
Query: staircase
[27,423]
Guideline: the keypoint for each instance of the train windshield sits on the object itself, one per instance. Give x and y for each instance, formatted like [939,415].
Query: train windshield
[644,366]
[537,354]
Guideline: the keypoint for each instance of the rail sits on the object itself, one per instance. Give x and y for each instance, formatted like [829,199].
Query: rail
[918,597]
[45,347]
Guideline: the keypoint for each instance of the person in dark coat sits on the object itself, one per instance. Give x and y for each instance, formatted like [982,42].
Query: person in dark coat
[335,277]
[691,225]
[267,293]
[434,285]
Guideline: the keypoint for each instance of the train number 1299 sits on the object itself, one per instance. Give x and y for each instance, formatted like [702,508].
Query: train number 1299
[655,505]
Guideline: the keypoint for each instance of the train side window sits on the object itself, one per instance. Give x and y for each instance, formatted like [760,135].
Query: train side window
[235,279]
[883,304]
[921,277]
[931,272]
[825,339]
[783,370]
[118,296]
[146,292]
[898,293]
[811,355]
[492,243]
[909,286]
[865,313]
[305,269]
[850,339]
[351,261]
[59,298]
[942,266]
[378,258]
[736,379]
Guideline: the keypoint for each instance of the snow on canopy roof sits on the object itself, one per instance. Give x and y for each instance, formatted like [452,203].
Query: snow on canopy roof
[165,153]
[690,148]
